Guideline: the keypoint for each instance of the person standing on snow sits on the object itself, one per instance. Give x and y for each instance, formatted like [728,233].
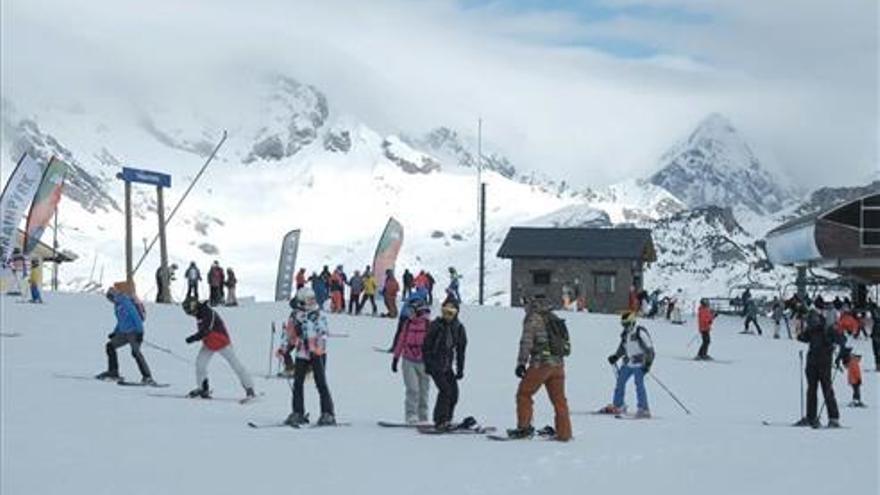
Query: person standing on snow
[216,281]
[705,317]
[370,287]
[415,379]
[751,314]
[308,327]
[356,286]
[300,278]
[778,315]
[637,352]
[822,338]
[231,283]
[36,281]
[389,293]
[407,280]
[430,280]
[544,369]
[445,344]
[875,333]
[337,286]
[215,339]
[193,277]
[129,331]
[453,284]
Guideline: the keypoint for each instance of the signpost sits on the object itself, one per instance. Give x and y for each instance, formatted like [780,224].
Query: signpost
[161,181]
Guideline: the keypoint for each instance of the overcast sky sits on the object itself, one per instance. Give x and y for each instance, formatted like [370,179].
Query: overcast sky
[592,91]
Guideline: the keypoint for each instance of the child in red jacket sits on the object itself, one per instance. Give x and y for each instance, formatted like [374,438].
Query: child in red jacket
[854,376]
[705,317]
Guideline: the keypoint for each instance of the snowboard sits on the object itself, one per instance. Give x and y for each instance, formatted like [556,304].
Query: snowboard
[245,400]
[70,376]
[281,424]
[392,424]
[710,360]
[791,425]
[542,434]
[476,430]
[139,384]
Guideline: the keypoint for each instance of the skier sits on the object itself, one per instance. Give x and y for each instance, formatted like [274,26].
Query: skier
[163,283]
[370,286]
[778,315]
[300,278]
[853,363]
[215,339]
[356,285]
[415,379]
[705,317]
[389,293]
[821,338]
[444,344]
[309,329]
[453,284]
[407,283]
[231,283]
[337,286]
[637,352]
[431,282]
[320,288]
[36,281]
[193,277]
[216,281]
[129,330]
[544,368]
[750,312]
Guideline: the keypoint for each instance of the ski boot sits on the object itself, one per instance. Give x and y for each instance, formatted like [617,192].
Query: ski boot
[833,423]
[412,420]
[522,432]
[249,393]
[148,381]
[444,426]
[297,419]
[643,414]
[467,423]
[202,392]
[612,409]
[547,432]
[111,376]
[327,419]
[803,422]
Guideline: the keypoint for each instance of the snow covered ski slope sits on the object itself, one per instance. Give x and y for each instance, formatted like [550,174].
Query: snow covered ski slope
[89,437]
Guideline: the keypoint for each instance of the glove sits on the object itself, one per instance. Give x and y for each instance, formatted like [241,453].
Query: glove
[140,338]
[190,339]
[111,335]
[459,375]
[612,359]
[394,365]
[648,365]
[520,371]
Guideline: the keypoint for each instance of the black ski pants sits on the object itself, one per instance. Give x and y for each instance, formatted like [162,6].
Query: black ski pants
[318,365]
[192,290]
[875,342]
[354,304]
[704,349]
[447,396]
[372,299]
[752,319]
[819,374]
[123,339]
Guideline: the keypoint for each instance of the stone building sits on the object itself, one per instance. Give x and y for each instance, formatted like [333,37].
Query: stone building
[594,265]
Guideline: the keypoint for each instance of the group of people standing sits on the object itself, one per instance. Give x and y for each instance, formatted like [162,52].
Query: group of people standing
[221,284]
[28,276]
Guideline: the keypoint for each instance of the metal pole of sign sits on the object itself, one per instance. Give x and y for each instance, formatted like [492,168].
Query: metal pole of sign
[129,273]
[55,252]
[165,274]
[482,241]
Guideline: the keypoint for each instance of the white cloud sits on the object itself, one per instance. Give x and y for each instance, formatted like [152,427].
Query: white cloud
[799,78]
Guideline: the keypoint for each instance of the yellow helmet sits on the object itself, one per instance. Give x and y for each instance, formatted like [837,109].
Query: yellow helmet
[628,318]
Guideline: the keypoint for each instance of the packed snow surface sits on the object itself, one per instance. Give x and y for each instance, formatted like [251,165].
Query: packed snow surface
[64,436]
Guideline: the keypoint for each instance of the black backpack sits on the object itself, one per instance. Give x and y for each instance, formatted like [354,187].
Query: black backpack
[557,333]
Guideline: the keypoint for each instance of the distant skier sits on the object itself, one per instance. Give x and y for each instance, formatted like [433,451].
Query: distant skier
[751,315]
[454,278]
[129,331]
[309,329]
[164,277]
[637,352]
[214,336]
[545,368]
[231,284]
[822,338]
[430,280]
[320,288]
[853,363]
[300,278]
[445,344]
[389,294]
[777,309]
[415,379]
[193,277]
[356,287]
[705,317]
[36,281]
[408,281]
[370,287]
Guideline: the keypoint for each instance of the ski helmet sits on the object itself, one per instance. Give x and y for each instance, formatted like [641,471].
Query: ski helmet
[306,299]
[190,305]
[628,318]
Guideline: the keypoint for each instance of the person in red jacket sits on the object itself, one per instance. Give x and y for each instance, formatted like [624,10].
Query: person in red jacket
[389,293]
[300,278]
[215,339]
[705,317]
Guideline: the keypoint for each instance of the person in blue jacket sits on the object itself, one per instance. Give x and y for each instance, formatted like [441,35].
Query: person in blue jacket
[129,330]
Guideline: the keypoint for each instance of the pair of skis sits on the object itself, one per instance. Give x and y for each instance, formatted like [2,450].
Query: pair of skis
[120,381]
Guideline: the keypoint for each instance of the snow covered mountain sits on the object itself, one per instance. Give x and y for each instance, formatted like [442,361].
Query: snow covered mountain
[293,160]
[714,166]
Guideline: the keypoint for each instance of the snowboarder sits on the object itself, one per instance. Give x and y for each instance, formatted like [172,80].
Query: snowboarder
[36,281]
[356,285]
[129,330]
[705,317]
[231,283]
[193,277]
[407,283]
[389,294]
[214,336]
[309,329]
[415,379]
[537,366]
[445,343]
[637,352]
[821,338]
[750,312]
[370,286]
[216,281]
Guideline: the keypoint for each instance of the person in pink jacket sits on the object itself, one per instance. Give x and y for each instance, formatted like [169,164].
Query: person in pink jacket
[415,379]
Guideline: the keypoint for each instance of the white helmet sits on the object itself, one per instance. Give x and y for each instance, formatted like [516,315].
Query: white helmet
[305,297]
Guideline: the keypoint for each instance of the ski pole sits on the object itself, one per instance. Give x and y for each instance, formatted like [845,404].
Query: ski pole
[167,351]
[801,375]
[271,347]
[694,339]
[669,392]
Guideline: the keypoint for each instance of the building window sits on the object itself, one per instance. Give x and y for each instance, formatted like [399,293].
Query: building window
[605,283]
[541,277]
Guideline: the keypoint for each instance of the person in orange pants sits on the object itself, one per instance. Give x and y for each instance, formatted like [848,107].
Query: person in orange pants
[544,368]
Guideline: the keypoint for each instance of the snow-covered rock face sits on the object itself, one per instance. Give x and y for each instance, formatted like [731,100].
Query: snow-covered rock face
[827,197]
[715,166]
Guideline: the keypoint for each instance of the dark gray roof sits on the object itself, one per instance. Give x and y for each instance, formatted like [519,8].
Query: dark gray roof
[533,242]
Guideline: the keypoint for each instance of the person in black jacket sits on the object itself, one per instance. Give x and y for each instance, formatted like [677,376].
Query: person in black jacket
[445,342]
[821,338]
[875,333]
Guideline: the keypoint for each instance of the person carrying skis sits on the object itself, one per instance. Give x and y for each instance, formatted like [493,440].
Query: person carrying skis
[407,280]
[231,283]
[370,286]
[538,366]
[212,332]
[215,281]
[193,277]
[415,379]
[822,338]
[356,286]
[129,331]
[705,317]
[637,352]
[445,343]
[389,293]
[36,281]
[308,327]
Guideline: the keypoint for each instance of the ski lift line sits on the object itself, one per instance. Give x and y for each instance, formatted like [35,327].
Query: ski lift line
[180,201]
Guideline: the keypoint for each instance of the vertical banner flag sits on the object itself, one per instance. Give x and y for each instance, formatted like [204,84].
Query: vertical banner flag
[386,251]
[45,201]
[286,263]
[17,195]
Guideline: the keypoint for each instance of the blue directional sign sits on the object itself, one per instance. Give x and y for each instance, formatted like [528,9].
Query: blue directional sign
[145,177]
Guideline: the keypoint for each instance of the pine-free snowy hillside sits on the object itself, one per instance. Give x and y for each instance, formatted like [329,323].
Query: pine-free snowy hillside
[63,436]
